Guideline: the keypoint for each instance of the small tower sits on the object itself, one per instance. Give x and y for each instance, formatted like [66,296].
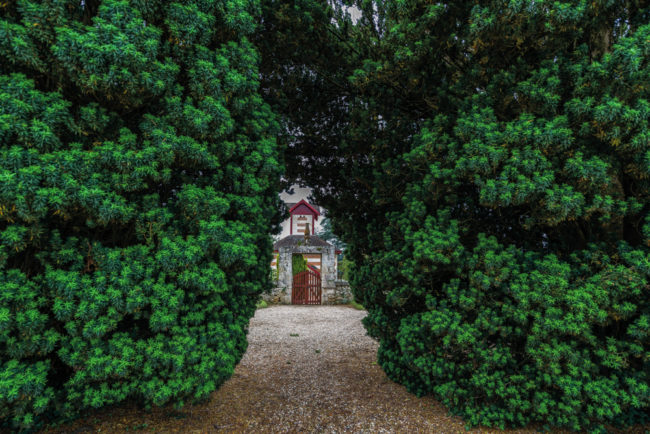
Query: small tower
[300,214]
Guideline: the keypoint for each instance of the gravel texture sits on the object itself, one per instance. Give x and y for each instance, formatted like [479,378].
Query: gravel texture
[307,369]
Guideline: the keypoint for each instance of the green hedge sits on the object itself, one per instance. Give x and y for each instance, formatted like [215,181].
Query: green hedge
[488,165]
[511,276]
[138,186]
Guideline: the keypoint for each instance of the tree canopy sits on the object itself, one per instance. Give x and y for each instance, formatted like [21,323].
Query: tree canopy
[139,175]
[326,233]
[497,154]
[486,163]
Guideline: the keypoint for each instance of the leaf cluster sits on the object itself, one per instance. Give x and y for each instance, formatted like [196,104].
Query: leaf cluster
[486,164]
[138,187]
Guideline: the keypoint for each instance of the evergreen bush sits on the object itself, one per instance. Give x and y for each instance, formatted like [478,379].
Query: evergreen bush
[138,186]
[488,165]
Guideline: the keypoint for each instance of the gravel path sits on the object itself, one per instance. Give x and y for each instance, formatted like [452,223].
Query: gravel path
[307,369]
[313,369]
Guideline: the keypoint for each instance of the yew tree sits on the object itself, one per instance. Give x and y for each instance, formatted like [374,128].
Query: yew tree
[488,165]
[138,186]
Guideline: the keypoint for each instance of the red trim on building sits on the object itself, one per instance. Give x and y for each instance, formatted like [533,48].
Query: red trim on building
[302,202]
[302,210]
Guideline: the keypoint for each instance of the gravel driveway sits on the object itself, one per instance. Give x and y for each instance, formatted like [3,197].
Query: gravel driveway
[313,369]
[307,369]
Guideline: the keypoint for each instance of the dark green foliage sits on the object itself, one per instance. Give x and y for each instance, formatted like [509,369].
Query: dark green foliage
[488,165]
[326,233]
[138,186]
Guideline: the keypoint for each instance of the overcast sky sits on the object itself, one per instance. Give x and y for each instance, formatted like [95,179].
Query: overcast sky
[297,196]
[355,13]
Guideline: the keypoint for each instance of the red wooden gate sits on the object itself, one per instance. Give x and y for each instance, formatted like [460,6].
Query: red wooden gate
[306,288]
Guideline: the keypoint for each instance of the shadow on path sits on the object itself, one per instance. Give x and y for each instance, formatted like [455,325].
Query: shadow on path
[307,369]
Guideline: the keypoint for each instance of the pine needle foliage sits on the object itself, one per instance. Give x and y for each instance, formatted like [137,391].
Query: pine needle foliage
[138,185]
[488,165]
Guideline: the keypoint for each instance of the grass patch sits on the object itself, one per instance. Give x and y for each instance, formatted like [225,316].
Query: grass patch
[356,305]
[262,304]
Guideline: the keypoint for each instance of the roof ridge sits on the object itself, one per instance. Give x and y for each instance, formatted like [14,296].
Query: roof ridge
[304,202]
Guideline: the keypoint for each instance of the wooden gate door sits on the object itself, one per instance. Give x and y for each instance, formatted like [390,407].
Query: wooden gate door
[306,288]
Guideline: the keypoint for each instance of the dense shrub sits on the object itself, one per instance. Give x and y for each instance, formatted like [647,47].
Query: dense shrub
[138,186]
[489,172]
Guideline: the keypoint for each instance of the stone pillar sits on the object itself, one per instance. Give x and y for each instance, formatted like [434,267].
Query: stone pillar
[328,274]
[285,276]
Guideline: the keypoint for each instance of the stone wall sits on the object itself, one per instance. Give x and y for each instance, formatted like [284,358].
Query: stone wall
[276,296]
[342,293]
[333,291]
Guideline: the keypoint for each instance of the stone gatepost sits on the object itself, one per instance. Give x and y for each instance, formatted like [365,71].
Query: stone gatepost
[285,275]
